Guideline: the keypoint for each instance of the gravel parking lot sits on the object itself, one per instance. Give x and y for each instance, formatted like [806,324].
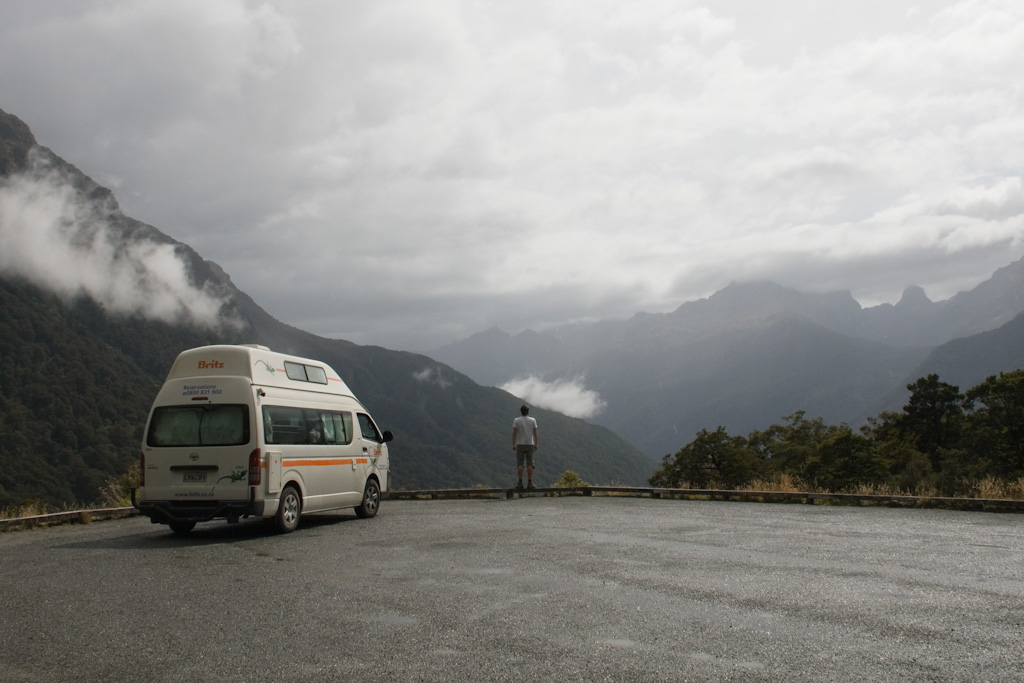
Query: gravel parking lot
[553,589]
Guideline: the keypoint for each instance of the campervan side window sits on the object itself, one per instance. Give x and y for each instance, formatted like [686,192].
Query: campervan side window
[195,425]
[338,427]
[287,425]
[315,374]
[368,429]
[305,373]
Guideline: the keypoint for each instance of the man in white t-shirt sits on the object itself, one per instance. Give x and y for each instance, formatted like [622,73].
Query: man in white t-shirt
[524,443]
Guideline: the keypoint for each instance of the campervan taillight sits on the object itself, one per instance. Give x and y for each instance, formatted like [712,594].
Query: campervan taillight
[255,472]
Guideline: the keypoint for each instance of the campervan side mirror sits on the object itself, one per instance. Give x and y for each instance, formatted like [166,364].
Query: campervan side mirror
[388,436]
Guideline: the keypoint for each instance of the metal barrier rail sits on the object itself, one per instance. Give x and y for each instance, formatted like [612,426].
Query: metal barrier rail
[983,504]
[79,516]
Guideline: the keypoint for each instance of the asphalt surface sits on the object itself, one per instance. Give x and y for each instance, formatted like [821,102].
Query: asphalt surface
[539,589]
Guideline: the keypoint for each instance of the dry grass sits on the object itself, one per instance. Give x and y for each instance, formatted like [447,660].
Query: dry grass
[778,483]
[889,490]
[34,508]
[998,489]
[117,492]
[989,488]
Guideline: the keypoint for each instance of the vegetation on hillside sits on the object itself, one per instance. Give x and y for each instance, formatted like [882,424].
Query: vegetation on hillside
[944,442]
[71,408]
[78,381]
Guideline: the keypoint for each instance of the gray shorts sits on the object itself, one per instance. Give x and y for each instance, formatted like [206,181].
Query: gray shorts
[524,453]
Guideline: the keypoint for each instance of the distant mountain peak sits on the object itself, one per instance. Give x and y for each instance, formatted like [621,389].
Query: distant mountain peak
[493,333]
[914,297]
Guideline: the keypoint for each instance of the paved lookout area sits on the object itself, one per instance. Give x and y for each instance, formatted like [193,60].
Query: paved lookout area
[562,589]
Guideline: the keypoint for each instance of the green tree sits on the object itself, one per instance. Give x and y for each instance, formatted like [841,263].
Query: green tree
[909,469]
[790,448]
[996,425]
[713,459]
[933,417]
[847,459]
[832,457]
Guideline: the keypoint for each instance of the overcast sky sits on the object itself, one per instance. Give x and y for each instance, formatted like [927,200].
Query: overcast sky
[409,173]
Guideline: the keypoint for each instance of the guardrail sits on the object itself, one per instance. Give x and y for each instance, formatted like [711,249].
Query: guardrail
[74,516]
[983,504]
[808,498]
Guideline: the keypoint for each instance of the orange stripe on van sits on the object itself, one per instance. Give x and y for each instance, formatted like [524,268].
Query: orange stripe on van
[316,463]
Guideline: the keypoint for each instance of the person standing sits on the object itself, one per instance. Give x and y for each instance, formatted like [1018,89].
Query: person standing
[524,443]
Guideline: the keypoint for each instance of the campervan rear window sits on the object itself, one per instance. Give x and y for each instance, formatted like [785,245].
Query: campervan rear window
[193,425]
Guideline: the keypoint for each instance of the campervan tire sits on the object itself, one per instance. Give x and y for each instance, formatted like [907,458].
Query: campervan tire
[182,528]
[289,510]
[371,500]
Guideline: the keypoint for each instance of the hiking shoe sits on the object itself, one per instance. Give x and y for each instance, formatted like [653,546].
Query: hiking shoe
[531,486]
[519,486]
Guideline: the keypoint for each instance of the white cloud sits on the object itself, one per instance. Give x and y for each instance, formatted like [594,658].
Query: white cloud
[461,165]
[567,396]
[56,240]
[432,375]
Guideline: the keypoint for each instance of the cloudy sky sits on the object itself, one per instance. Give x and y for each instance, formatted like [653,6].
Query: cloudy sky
[409,173]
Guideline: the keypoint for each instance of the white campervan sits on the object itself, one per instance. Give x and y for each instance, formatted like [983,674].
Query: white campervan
[240,431]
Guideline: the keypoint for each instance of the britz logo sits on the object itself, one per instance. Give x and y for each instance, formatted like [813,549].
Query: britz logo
[210,364]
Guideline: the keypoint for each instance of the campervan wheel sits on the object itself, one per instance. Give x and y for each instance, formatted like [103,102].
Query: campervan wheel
[289,510]
[371,500]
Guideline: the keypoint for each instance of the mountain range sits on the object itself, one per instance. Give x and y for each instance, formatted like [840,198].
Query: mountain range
[82,360]
[754,353]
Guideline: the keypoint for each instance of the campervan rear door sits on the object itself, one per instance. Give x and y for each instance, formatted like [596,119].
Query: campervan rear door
[198,440]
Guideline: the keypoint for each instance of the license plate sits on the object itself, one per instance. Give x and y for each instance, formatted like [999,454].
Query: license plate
[194,477]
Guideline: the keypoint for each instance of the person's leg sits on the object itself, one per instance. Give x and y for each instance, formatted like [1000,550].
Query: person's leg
[529,466]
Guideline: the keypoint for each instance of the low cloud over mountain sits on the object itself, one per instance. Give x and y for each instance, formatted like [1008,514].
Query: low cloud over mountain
[73,240]
[567,396]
